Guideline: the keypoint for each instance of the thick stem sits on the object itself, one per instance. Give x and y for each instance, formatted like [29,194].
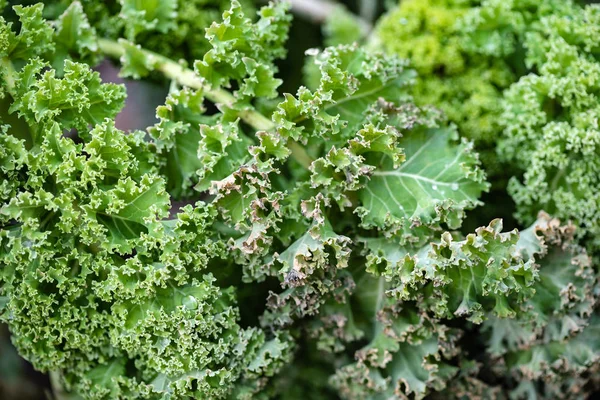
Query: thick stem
[299,154]
[317,11]
[187,77]
[368,10]
[9,76]
[57,388]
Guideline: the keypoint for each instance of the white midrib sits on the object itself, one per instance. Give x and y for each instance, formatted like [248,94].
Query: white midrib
[412,176]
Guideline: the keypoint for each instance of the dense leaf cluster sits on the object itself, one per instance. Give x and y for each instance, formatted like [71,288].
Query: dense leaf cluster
[318,254]
[467,53]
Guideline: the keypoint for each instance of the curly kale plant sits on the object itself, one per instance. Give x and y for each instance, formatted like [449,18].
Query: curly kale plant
[467,52]
[467,85]
[317,253]
[542,115]
[551,122]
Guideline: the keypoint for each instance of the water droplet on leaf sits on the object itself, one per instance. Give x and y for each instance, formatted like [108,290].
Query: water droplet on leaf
[190,303]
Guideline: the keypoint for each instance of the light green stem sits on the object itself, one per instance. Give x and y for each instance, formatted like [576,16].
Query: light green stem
[9,76]
[186,77]
[57,388]
[368,9]
[299,154]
